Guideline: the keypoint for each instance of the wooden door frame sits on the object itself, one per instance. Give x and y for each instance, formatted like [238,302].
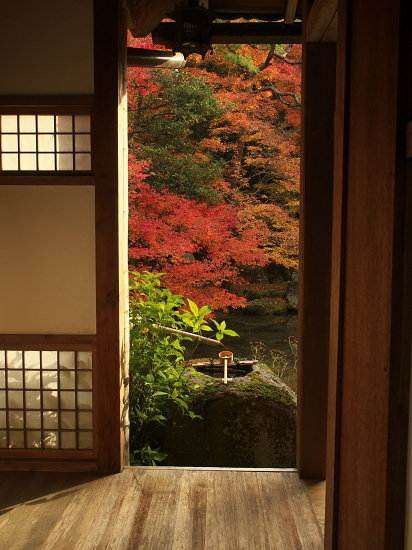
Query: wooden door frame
[111,355]
[315,248]
[370,337]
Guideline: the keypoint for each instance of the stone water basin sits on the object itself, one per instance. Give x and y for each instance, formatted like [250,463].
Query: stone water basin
[214,367]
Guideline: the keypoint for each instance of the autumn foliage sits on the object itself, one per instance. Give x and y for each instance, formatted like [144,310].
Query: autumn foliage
[214,169]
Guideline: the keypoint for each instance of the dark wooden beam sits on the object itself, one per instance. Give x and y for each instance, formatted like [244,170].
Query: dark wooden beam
[316,199]
[409,140]
[248,6]
[49,101]
[337,286]
[109,51]
[290,12]
[29,342]
[238,33]
[14,178]
[146,14]
[371,275]
[321,24]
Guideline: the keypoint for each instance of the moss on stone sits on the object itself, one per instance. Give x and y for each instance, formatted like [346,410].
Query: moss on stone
[249,423]
[213,390]
[209,392]
[266,390]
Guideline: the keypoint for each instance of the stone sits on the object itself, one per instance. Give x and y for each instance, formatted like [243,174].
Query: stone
[248,423]
[266,306]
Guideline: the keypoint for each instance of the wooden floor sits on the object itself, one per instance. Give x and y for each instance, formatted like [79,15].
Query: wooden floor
[159,509]
[316,493]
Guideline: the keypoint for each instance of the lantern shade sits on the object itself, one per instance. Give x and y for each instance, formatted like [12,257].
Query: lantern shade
[193,31]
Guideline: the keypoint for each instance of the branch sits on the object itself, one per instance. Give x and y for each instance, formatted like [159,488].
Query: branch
[272,53]
[290,62]
[283,56]
[277,94]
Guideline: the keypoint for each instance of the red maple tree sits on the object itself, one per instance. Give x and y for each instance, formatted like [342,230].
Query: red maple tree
[198,246]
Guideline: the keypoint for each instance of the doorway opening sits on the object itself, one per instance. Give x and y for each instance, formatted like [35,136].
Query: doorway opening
[214,206]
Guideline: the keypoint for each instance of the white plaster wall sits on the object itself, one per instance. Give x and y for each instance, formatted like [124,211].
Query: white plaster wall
[46,47]
[47,260]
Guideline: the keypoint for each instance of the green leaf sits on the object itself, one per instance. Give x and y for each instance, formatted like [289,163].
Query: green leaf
[230,332]
[182,403]
[158,417]
[193,307]
[205,310]
[193,415]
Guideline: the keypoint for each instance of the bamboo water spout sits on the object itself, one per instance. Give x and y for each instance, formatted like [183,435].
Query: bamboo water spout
[225,356]
[203,339]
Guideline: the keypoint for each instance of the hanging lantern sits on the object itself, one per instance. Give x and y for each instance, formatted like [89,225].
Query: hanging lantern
[193,30]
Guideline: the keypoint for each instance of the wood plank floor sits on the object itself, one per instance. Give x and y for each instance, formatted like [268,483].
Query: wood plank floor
[316,492]
[157,509]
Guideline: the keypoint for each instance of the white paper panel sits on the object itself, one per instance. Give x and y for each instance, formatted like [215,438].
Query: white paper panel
[47,270]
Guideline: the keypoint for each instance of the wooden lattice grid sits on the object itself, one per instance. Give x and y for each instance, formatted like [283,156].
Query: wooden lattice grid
[46,400]
[45,142]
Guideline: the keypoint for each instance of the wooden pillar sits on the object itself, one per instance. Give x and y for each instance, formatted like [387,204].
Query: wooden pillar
[318,102]
[109,53]
[371,281]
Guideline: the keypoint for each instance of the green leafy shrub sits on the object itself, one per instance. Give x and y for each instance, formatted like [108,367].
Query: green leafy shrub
[157,385]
